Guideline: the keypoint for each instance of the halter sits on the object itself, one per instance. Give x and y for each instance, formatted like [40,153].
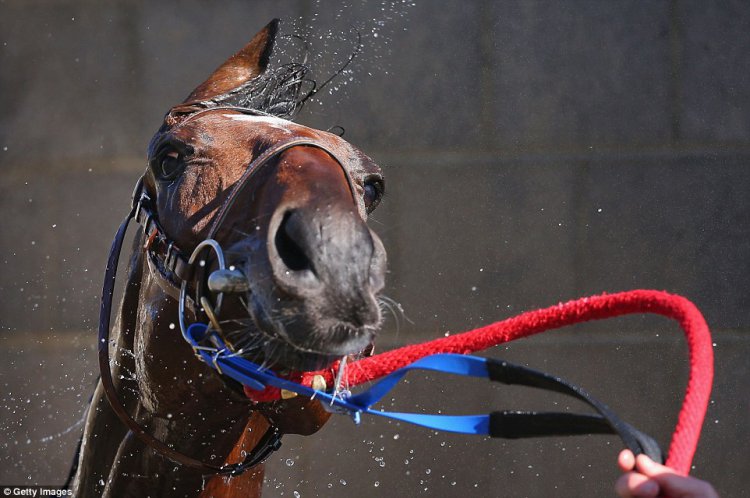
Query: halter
[170,264]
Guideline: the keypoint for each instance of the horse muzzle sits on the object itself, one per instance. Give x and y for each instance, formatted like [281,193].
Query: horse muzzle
[326,270]
[330,258]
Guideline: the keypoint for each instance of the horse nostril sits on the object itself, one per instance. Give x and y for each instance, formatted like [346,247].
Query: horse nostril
[288,248]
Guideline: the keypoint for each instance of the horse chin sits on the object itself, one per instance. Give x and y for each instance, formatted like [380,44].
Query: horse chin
[288,354]
[280,353]
[322,343]
[293,359]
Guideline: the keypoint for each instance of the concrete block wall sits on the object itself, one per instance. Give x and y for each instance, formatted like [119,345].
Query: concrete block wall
[534,152]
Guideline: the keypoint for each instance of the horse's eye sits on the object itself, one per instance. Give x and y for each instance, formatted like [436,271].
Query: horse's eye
[372,193]
[170,165]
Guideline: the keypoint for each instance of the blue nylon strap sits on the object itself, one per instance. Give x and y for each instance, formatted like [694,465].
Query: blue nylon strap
[253,376]
[467,366]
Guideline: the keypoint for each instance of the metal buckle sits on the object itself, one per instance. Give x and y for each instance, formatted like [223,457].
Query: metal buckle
[167,260]
[144,197]
[215,361]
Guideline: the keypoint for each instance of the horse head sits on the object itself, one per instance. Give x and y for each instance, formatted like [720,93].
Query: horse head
[296,228]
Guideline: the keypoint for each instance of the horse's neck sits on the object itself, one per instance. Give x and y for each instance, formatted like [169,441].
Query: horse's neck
[179,400]
[173,384]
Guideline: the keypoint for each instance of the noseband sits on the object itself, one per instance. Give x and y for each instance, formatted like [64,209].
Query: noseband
[170,264]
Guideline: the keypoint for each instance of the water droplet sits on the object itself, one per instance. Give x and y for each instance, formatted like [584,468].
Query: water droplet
[289,462]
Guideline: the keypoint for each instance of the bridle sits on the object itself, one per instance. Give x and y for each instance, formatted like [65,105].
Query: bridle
[170,264]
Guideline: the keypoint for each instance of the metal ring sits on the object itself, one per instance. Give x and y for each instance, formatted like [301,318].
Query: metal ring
[215,361]
[219,256]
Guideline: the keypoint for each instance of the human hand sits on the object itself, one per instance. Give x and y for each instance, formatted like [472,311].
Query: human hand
[645,478]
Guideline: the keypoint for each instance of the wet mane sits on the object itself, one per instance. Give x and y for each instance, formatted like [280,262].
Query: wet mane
[281,91]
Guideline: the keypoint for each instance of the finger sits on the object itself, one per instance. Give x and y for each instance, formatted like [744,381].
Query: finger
[650,468]
[635,485]
[672,482]
[626,460]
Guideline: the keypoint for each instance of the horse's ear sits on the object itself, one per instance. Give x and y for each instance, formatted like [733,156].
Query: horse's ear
[243,66]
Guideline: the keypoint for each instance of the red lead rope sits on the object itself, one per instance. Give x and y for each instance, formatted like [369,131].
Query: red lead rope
[695,404]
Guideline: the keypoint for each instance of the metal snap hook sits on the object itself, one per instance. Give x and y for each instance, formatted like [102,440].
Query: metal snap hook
[206,305]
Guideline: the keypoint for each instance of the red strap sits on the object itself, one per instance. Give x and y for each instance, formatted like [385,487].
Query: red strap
[690,420]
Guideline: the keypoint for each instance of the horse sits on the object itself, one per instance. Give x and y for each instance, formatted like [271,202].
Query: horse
[287,206]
